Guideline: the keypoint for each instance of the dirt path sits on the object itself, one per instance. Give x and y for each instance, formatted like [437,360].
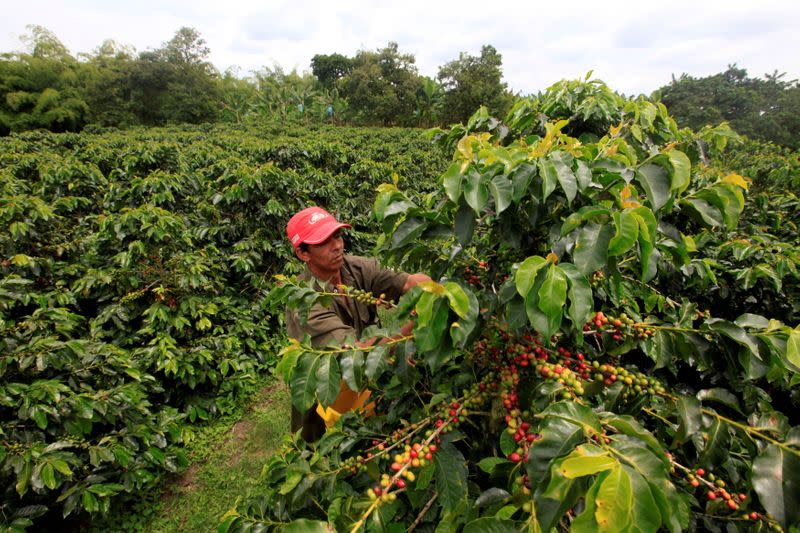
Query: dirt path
[195,500]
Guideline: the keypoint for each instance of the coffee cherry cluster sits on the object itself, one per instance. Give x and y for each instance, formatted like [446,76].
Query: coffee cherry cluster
[365,297]
[408,453]
[475,275]
[618,328]
[716,492]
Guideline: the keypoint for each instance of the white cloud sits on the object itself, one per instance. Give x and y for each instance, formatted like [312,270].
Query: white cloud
[634,46]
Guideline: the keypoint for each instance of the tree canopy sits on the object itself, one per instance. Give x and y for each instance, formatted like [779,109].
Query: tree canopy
[766,108]
[472,81]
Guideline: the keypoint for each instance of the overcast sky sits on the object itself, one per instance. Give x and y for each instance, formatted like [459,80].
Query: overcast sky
[634,46]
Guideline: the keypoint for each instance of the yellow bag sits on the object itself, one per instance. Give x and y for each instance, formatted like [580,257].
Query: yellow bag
[347,400]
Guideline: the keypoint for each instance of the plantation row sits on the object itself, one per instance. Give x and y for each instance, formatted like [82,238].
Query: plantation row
[612,344]
[132,289]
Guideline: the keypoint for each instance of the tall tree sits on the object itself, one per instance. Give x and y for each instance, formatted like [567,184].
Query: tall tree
[382,87]
[107,84]
[41,88]
[176,83]
[330,68]
[472,81]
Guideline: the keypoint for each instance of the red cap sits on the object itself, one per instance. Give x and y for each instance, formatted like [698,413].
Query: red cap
[312,225]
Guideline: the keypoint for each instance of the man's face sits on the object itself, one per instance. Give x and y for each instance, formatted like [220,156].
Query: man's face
[326,257]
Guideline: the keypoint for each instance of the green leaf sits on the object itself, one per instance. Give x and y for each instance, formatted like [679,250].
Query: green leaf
[628,425]
[451,476]
[464,224]
[728,199]
[582,215]
[719,395]
[40,417]
[490,524]
[328,378]
[376,362]
[717,444]
[681,170]
[407,232]
[639,457]
[428,336]
[521,179]
[303,382]
[707,212]
[584,175]
[425,476]
[647,240]
[452,180]
[492,496]
[48,476]
[577,414]
[614,501]
[582,463]
[507,443]
[305,525]
[488,464]
[776,480]
[645,515]
[627,232]
[62,466]
[688,409]
[734,332]
[459,302]
[476,190]
[502,190]
[549,177]
[793,347]
[352,366]
[580,295]
[553,297]
[564,426]
[566,178]
[656,183]
[591,248]
[526,274]
[586,521]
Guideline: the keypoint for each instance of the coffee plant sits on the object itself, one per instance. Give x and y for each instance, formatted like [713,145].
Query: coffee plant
[133,272]
[595,355]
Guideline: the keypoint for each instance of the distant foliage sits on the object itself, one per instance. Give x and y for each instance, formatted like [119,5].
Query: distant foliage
[767,109]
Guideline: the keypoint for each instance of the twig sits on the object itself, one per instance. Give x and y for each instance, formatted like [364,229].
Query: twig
[422,513]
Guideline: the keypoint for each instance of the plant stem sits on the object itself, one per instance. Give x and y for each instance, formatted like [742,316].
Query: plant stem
[752,431]
[422,513]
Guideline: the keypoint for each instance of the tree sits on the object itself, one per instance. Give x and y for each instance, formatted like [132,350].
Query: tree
[430,99]
[470,82]
[382,87]
[187,47]
[41,88]
[175,83]
[238,97]
[330,68]
[107,84]
[766,109]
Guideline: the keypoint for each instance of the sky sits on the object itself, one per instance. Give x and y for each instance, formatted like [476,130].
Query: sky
[635,47]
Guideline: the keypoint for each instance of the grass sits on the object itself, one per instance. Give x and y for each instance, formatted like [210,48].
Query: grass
[227,457]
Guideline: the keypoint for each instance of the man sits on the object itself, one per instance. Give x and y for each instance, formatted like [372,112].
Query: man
[317,239]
